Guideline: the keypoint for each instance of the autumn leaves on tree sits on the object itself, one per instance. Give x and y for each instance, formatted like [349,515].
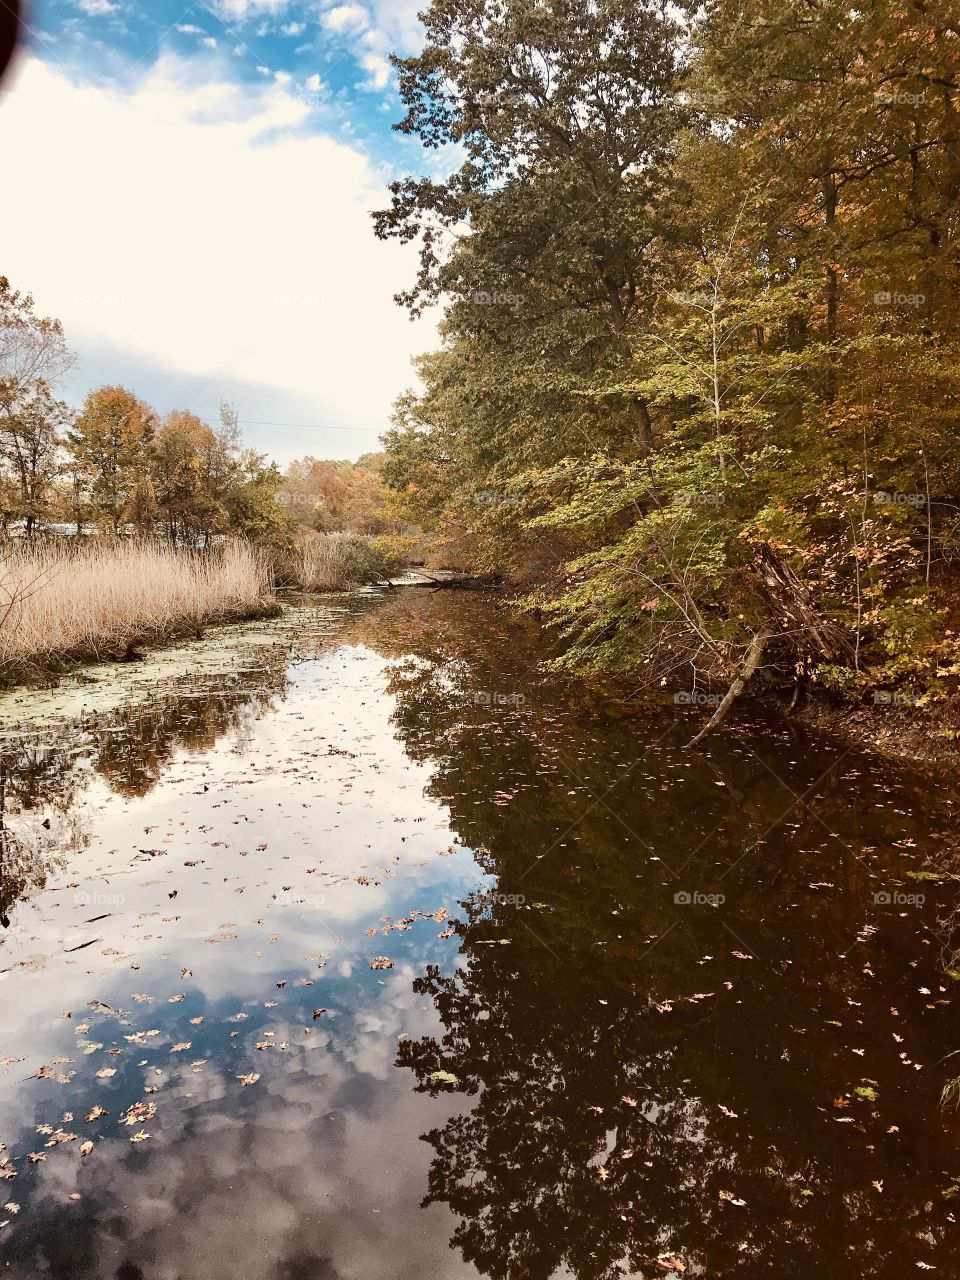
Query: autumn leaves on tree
[699,379]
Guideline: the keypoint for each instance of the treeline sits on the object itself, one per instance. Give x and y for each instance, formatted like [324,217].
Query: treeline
[117,467]
[700,376]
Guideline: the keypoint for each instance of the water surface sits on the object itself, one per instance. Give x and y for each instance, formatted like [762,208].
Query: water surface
[357,944]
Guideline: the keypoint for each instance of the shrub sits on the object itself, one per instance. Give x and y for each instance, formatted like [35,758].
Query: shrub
[337,561]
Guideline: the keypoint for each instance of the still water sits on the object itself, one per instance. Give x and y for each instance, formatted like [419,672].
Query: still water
[358,945]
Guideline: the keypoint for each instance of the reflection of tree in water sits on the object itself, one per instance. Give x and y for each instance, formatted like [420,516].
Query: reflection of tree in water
[42,785]
[575,1025]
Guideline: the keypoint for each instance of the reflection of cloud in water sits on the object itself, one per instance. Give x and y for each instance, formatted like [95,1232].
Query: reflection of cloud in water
[314,1171]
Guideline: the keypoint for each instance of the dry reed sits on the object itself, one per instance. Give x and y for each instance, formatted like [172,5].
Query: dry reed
[62,599]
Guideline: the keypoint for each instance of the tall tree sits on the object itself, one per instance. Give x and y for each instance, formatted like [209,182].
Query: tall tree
[109,442]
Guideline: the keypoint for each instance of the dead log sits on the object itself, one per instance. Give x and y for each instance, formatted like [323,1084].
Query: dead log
[465,582]
[751,661]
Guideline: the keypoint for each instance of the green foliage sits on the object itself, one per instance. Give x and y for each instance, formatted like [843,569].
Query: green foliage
[702,342]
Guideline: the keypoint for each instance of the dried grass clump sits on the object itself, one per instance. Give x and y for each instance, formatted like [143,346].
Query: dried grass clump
[64,599]
[337,561]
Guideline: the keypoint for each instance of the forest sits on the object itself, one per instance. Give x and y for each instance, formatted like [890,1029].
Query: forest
[698,387]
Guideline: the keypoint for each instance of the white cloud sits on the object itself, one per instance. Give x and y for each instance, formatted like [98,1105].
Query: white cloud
[294,29]
[282,77]
[345,17]
[378,69]
[253,260]
[314,83]
[240,9]
[209,41]
[96,7]
[188,29]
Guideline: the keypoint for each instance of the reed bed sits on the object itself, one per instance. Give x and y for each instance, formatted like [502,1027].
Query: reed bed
[337,561]
[61,600]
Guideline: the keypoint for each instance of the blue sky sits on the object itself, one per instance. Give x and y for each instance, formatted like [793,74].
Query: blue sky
[196,182]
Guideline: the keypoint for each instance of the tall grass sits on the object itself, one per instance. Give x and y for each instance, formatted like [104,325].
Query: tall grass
[60,599]
[336,561]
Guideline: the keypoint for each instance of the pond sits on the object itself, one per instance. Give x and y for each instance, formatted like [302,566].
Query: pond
[360,944]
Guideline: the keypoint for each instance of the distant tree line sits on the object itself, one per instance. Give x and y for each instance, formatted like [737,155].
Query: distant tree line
[118,467]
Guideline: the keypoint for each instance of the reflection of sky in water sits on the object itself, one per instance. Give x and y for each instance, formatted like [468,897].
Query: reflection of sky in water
[260,860]
[633,1076]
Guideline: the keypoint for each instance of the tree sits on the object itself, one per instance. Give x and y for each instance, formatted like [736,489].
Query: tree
[109,443]
[29,452]
[33,356]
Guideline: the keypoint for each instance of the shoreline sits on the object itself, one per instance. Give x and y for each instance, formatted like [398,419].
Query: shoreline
[41,670]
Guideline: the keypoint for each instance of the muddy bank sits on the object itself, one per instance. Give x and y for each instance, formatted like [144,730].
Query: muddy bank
[898,732]
[42,669]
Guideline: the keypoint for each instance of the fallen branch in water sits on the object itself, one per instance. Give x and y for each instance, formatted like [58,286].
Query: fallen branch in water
[749,665]
[467,582]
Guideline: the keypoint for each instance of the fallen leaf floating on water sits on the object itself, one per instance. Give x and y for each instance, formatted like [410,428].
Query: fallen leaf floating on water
[381,962]
[139,1112]
[85,1148]
[670,1262]
[186,973]
[140,1137]
[48,1073]
[11,1207]
[252,1078]
[95,1113]
[179,1048]
[61,1136]
[106,1072]
[36,1156]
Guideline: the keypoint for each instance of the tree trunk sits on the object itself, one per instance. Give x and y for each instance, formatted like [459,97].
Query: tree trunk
[750,663]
